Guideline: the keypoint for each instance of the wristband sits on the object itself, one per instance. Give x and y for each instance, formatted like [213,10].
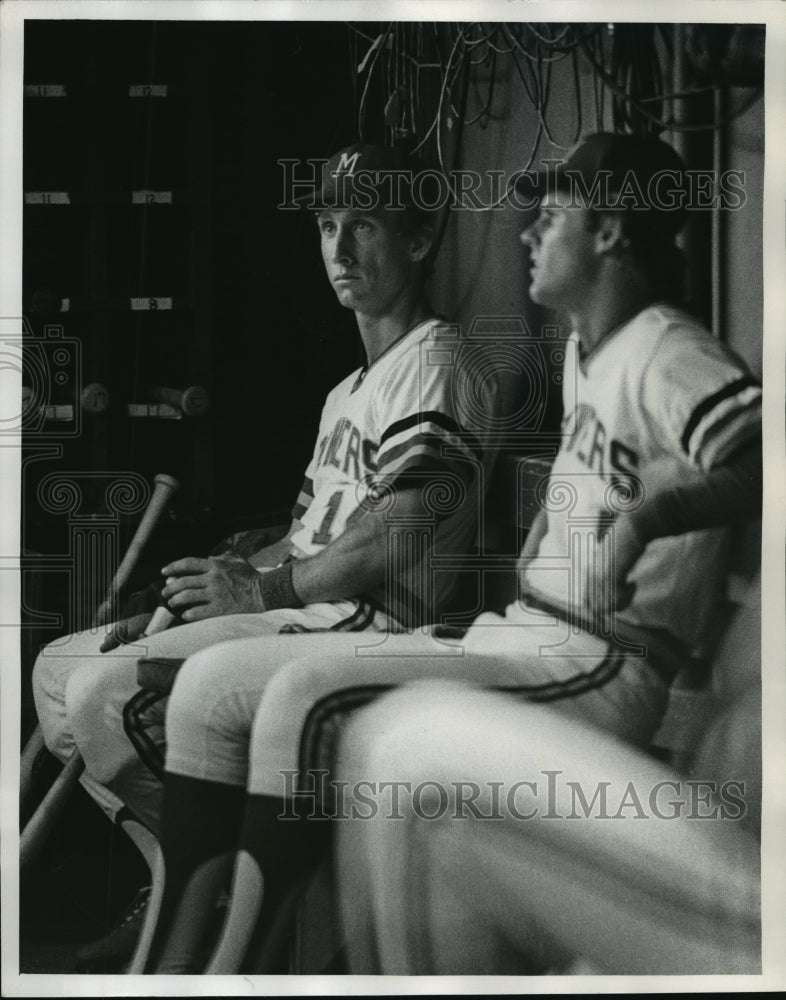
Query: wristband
[277,590]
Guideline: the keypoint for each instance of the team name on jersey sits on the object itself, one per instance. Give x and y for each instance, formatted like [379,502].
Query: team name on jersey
[346,449]
[592,446]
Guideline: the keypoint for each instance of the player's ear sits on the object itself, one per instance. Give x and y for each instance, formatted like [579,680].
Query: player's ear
[421,240]
[610,236]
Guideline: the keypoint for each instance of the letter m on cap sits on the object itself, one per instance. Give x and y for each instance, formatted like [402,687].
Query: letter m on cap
[347,164]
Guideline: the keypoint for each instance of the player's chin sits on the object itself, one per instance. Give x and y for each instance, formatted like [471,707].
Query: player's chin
[539,293]
[347,296]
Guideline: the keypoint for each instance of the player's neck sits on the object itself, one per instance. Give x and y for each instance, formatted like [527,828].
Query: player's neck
[605,312]
[380,332]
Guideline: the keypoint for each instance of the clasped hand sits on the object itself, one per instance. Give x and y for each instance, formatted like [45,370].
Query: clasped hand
[207,588]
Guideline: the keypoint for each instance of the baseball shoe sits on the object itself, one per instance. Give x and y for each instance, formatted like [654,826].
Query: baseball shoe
[113,952]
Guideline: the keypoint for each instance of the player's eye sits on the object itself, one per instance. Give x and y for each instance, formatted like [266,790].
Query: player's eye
[326,227]
[361,226]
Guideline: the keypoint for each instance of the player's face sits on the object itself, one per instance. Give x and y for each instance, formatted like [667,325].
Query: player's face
[369,261]
[563,257]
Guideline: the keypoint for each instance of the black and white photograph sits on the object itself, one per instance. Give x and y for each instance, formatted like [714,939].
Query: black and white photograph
[394,487]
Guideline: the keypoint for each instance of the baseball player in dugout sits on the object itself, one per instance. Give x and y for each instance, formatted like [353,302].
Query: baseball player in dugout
[663,404]
[617,578]
[389,433]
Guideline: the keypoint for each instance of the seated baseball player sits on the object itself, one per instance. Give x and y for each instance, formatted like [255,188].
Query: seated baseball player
[619,574]
[391,450]
[535,843]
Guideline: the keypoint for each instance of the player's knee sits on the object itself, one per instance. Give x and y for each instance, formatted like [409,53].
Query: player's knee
[208,721]
[94,705]
[200,702]
[298,682]
[51,674]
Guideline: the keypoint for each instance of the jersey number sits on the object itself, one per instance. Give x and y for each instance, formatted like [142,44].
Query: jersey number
[322,537]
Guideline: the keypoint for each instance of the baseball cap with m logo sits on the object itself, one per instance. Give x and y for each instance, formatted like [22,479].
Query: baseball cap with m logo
[368,177]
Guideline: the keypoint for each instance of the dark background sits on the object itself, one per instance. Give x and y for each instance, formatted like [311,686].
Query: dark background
[254,322]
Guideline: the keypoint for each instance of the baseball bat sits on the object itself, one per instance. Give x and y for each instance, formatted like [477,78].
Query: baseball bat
[46,814]
[165,487]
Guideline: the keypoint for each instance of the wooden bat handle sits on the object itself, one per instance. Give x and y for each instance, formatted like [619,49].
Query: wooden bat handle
[41,822]
[165,487]
[161,620]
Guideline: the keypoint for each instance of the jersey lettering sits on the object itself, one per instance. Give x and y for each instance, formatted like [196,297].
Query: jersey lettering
[344,448]
[592,447]
[323,536]
[353,452]
[585,423]
[622,458]
[598,448]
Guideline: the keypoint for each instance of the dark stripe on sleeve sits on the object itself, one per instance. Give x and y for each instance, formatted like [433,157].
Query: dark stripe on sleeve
[441,420]
[710,403]
[429,416]
[424,470]
[299,509]
[417,445]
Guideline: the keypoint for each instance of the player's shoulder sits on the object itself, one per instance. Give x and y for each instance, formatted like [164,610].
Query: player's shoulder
[678,338]
[342,390]
[411,356]
[436,329]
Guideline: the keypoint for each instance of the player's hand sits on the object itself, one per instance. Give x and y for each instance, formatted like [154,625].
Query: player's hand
[207,588]
[125,631]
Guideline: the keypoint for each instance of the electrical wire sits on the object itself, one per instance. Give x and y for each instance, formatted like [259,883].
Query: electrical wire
[421,76]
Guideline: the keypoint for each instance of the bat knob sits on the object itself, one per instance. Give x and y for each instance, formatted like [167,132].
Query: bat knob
[162,479]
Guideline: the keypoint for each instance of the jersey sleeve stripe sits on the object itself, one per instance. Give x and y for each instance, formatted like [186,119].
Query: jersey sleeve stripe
[721,422]
[423,451]
[726,434]
[419,472]
[455,435]
[417,420]
[706,406]
[304,499]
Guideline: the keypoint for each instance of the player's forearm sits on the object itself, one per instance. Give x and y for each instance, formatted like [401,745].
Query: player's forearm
[351,565]
[357,561]
[729,493]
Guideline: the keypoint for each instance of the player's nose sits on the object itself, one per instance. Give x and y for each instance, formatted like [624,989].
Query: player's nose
[343,246]
[529,235]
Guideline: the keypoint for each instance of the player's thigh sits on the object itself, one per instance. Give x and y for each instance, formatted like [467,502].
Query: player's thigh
[584,682]
[92,680]
[56,665]
[59,659]
[452,740]
[344,670]
[215,697]
[94,700]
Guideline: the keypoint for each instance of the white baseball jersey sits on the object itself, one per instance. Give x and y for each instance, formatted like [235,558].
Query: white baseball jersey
[397,416]
[659,401]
